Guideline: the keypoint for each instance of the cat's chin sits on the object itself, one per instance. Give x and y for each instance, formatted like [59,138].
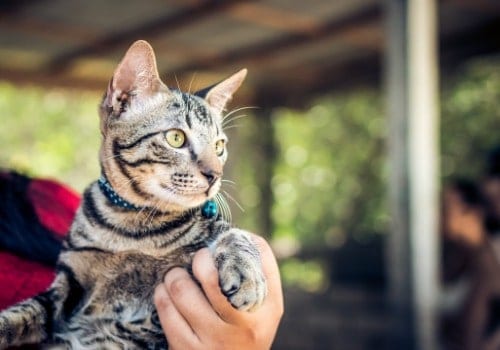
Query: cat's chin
[182,203]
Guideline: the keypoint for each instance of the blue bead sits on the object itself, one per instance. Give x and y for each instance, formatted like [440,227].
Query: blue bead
[209,209]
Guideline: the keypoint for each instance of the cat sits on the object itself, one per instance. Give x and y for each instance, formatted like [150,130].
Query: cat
[161,157]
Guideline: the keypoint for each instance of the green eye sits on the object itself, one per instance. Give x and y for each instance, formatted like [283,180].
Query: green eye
[219,147]
[175,138]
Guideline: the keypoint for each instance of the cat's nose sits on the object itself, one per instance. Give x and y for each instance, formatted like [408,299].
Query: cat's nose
[210,176]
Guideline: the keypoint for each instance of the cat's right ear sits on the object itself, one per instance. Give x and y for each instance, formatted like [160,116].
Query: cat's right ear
[135,78]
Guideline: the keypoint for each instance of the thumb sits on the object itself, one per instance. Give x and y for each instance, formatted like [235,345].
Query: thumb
[206,273]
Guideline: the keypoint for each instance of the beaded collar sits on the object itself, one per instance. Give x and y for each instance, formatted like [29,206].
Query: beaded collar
[114,197]
[208,209]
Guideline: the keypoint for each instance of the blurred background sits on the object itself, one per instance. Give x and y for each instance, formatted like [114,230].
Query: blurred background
[333,158]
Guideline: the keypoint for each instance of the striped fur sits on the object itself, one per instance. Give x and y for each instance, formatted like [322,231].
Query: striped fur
[113,258]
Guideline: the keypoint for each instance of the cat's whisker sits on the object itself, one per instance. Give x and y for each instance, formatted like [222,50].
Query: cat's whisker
[228,209]
[152,213]
[229,184]
[233,126]
[177,81]
[225,210]
[112,157]
[139,213]
[124,184]
[191,82]
[228,121]
[233,200]
[231,117]
[228,181]
[237,110]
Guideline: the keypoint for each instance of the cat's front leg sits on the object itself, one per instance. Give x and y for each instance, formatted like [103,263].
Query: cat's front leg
[238,262]
[26,322]
[32,321]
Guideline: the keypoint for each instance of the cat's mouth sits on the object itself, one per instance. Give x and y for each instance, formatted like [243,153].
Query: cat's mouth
[192,196]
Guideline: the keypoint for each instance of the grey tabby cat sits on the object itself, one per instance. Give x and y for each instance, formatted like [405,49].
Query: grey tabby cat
[162,158]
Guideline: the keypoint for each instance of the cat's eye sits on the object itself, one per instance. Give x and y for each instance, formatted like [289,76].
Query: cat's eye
[175,138]
[219,147]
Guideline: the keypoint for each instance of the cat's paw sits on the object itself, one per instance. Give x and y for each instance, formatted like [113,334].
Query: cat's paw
[241,278]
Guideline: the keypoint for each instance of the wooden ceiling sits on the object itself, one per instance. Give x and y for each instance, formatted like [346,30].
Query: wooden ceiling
[293,49]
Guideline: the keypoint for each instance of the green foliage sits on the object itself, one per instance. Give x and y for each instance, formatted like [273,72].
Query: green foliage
[329,180]
[50,133]
[242,170]
[307,275]
[470,118]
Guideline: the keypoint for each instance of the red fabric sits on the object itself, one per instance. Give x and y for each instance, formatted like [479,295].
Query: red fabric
[55,205]
[21,279]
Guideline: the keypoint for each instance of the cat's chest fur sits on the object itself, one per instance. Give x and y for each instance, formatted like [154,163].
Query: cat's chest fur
[113,299]
[113,262]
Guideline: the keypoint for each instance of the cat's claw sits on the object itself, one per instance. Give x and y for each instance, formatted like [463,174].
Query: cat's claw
[240,272]
[245,288]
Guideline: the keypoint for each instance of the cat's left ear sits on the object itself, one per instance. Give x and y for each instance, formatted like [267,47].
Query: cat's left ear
[218,95]
[135,79]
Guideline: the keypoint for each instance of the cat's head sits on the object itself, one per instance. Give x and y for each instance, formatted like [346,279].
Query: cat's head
[161,147]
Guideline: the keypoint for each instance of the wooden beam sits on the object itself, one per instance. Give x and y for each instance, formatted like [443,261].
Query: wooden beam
[471,42]
[294,90]
[53,31]
[10,7]
[50,81]
[143,31]
[486,6]
[267,16]
[357,42]
[267,49]
[368,37]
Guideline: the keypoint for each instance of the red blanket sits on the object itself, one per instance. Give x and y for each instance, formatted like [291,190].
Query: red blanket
[55,205]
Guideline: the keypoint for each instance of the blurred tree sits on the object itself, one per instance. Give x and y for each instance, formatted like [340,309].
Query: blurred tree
[470,117]
[329,181]
[52,133]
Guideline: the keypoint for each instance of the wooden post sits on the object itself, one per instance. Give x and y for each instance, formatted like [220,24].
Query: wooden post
[424,154]
[398,245]
[413,247]
[265,163]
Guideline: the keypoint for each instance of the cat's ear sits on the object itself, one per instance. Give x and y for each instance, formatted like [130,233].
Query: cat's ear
[218,95]
[135,78]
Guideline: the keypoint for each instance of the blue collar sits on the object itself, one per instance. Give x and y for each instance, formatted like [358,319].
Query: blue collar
[114,197]
[208,210]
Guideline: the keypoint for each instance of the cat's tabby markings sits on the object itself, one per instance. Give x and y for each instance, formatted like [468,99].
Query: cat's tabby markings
[163,153]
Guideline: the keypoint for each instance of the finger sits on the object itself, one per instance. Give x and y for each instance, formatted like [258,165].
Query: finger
[178,332]
[190,301]
[206,273]
[272,274]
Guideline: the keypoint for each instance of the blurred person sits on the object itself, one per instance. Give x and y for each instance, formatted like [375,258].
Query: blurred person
[471,269]
[491,189]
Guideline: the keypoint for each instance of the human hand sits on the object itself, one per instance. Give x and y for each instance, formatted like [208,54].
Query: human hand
[195,319]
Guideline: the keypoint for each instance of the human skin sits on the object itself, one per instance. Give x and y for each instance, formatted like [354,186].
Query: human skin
[462,222]
[195,318]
